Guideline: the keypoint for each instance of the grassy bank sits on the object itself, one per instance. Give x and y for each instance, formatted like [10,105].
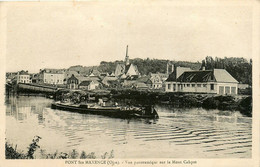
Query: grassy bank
[11,152]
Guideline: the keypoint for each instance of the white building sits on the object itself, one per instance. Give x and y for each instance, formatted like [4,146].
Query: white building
[53,76]
[89,85]
[23,77]
[217,81]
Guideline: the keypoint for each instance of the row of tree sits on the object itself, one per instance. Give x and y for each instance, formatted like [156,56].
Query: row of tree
[239,68]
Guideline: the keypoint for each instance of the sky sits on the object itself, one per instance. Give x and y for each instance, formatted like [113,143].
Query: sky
[59,35]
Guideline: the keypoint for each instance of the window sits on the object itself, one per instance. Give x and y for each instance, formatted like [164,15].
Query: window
[184,85]
[221,90]
[211,86]
[227,89]
[193,85]
[169,86]
[199,85]
[188,85]
[204,85]
[233,90]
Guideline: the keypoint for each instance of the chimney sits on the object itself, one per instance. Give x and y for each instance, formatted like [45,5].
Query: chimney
[172,68]
[167,68]
[127,57]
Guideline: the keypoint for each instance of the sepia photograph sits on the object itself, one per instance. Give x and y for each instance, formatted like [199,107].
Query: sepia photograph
[101,83]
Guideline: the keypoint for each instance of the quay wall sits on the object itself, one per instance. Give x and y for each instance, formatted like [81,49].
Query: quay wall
[32,88]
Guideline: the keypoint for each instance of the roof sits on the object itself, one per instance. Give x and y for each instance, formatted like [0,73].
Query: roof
[84,83]
[83,78]
[72,78]
[222,75]
[23,72]
[87,83]
[196,76]
[216,75]
[108,78]
[70,73]
[132,77]
[53,71]
[141,85]
[172,77]
[143,79]
[162,75]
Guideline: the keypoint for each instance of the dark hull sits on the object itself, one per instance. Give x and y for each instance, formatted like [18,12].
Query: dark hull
[106,111]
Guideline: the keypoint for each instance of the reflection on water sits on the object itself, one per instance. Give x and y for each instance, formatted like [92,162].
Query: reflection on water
[178,133]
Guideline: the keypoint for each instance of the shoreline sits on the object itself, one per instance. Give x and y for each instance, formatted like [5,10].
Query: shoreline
[241,103]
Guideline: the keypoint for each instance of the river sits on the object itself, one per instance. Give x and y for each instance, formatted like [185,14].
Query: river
[178,133]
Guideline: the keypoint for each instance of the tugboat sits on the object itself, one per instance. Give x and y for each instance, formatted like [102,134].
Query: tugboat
[111,111]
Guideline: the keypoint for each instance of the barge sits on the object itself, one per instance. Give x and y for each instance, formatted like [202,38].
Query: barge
[148,112]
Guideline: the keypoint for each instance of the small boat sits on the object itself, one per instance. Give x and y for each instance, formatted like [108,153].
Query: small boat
[111,111]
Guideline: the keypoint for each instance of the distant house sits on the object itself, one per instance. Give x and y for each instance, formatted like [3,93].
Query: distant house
[69,73]
[52,76]
[35,78]
[110,81]
[155,81]
[73,82]
[217,81]
[89,85]
[140,85]
[94,72]
[126,69]
[23,77]
[11,77]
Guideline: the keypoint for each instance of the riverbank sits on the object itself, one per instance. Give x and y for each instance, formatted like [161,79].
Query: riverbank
[11,152]
[240,103]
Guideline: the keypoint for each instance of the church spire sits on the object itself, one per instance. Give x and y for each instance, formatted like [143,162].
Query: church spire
[127,57]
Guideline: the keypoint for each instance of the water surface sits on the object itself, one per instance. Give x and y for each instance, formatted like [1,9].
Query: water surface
[178,133]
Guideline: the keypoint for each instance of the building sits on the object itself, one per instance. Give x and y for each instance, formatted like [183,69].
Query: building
[216,81]
[69,73]
[11,77]
[23,77]
[89,85]
[94,72]
[126,68]
[156,80]
[52,76]
[35,78]
[109,81]
[72,82]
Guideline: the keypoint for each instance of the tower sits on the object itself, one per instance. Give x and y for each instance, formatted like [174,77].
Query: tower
[127,57]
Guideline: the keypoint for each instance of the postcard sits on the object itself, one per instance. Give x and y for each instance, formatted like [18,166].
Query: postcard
[130,83]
